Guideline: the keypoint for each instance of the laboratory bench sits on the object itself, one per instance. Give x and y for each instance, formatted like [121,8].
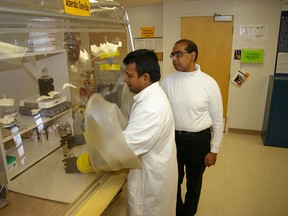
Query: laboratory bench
[93,200]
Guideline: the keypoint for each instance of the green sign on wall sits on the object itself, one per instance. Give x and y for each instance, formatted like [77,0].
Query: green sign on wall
[252,56]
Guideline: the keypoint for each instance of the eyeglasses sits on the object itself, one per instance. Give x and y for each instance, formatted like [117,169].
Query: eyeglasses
[177,54]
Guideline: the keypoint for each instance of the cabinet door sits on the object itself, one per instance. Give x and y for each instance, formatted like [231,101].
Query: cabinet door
[278,135]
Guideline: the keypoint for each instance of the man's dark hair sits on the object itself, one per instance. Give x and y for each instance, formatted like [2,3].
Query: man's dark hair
[191,46]
[146,61]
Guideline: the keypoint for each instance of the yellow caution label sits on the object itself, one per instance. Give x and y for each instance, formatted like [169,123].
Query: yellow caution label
[114,67]
[77,7]
[147,32]
[109,55]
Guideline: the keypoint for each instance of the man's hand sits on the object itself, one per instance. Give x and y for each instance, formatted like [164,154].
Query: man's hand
[70,164]
[210,159]
[72,141]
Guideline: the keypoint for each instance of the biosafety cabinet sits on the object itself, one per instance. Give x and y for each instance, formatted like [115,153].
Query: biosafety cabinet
[54,54]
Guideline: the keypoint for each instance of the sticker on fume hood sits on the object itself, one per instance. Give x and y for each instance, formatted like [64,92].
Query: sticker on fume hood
[114,67]
[109,55]
[77,7]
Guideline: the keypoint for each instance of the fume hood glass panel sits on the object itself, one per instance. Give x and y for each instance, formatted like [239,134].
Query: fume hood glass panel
[82,54]
[101,69]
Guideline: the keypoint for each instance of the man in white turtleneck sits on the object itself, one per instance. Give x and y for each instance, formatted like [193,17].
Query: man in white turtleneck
[197,107]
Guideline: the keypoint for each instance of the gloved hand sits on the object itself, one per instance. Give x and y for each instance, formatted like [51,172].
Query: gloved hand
[72,141]
[70,164]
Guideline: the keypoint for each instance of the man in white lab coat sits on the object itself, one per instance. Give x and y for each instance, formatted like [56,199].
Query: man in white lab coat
[150,133]
[152,188]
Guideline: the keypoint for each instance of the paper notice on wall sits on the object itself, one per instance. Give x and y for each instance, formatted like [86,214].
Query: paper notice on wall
[246,32]
[261,32]
[239,78]
[155,44]
[253,32]
[282,63]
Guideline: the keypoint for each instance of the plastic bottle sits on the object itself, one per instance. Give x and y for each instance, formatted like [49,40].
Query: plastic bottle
[43,136]
[62,130]
[50,133]
[68,129]
[55,128]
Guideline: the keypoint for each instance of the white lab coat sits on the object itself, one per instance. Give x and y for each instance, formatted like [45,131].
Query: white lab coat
[150,134]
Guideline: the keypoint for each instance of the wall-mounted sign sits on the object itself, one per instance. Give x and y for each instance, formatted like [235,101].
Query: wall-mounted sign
[252,56]
[147,32]
[77,7]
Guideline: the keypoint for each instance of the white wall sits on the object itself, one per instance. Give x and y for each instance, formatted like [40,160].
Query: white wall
[146,17]
[246,104]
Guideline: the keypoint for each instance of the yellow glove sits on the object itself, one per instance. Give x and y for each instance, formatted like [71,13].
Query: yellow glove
[83,164]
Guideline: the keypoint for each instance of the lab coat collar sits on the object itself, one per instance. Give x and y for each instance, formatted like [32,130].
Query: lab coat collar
[145,92]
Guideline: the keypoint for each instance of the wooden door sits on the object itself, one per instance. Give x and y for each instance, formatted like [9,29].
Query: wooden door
[214,41]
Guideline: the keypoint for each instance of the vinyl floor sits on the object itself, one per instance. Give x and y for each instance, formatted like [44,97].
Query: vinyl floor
[249,179]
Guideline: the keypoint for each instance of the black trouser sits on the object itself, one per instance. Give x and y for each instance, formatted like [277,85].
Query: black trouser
[191,151]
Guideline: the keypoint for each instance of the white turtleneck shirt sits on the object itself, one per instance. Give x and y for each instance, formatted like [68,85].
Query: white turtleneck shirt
[196,102]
